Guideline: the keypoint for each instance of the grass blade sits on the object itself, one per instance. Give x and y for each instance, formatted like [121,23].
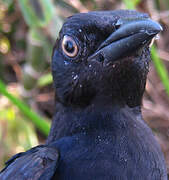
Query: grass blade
[42,124]
[161,69]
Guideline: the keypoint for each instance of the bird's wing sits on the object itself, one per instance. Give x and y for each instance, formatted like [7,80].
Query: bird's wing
[38,163]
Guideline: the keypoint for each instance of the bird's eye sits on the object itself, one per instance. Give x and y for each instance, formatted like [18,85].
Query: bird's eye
[69,46]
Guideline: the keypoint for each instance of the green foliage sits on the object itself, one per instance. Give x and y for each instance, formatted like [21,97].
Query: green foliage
[39,122]
[37,13]
[16,133]
[161,69]
[45,80]
[131,4]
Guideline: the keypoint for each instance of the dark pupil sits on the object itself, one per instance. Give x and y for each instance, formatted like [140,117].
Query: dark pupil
[69,47]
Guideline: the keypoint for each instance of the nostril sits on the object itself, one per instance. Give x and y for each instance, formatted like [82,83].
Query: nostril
[118,24]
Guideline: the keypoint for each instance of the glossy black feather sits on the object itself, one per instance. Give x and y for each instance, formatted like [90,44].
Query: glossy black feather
[35,164]
[97,130]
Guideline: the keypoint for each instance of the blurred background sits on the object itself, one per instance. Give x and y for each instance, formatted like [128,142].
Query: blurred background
[28,30]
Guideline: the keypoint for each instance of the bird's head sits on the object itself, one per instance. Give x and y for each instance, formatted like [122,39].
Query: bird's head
[103,57]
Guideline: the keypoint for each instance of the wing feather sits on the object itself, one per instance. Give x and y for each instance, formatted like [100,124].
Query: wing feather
[33,164]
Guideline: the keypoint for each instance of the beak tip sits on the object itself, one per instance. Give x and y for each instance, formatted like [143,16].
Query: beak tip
[159,28]
[156,28]
[131,35]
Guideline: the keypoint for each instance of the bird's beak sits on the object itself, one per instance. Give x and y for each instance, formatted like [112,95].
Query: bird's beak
[131,35]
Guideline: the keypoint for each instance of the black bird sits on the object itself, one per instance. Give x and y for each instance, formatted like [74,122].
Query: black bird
[100,63]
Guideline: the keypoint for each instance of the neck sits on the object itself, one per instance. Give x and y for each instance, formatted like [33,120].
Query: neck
[96,117]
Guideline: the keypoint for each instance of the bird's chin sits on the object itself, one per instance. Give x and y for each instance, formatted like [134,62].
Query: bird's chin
[130,37]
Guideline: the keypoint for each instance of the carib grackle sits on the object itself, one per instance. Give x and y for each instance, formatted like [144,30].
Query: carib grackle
[100,63]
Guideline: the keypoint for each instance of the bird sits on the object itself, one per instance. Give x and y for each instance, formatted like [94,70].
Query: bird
[100,63]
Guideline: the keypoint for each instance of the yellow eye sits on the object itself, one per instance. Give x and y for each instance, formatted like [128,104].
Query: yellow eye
[69,46]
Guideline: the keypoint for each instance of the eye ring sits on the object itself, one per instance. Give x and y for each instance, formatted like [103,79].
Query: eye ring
[69,46]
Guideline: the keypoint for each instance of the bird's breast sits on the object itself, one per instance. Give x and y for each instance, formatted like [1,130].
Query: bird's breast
[115,157]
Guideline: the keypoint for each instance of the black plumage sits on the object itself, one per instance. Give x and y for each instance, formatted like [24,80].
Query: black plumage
[100,63]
